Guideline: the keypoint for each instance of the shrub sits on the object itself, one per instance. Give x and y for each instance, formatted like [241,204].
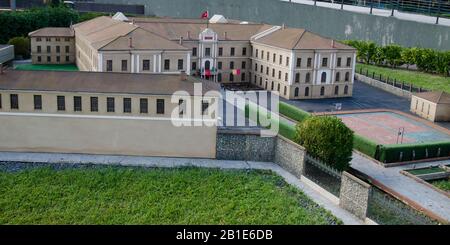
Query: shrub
[21,47]
[328,139]
[414,151]
[393,55]
[293,112]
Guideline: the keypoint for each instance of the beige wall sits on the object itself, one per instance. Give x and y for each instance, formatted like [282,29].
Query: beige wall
[99,135]
[430,111]
[53,43]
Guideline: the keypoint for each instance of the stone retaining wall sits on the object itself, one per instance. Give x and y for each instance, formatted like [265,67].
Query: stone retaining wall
[384,86]
[354,195]
[290,156]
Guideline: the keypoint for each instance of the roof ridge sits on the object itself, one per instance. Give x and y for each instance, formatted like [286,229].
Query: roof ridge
[299,38]
[156,34]
[114,39]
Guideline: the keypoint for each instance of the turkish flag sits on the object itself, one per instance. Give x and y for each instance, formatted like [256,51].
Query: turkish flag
[205,15]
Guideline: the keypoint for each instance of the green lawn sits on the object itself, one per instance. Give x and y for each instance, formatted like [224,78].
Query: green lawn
[114,195]
[421,79]
[442,184]
[31,67]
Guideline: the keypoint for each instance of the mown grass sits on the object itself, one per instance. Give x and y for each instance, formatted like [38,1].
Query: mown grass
[442,184]
[153,196]
[47,67]
[420,79]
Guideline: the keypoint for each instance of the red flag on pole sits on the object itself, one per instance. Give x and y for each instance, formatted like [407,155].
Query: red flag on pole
[205,15]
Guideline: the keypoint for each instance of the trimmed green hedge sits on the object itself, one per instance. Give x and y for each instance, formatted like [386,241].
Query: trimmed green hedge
[285,129]
[410,152]
[292,112]
[365,145]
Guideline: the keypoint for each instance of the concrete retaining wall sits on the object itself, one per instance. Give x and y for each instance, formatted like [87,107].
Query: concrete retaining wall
[329,22]
[384,86]
[354,195]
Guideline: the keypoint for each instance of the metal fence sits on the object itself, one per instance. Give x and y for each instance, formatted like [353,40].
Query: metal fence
[323,175]
[438,8]
[392,81]
[387,210]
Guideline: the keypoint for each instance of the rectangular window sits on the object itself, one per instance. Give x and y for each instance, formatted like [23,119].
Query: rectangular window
[39,49]
[324,61]
[268,56]
[58,59]
[37,102]
[231,77]
[47,39]
[126,105]
[49,59]
[143,105]
[207,52]
[110,107]
[124,65]
[299,62]
[339,62]
[39,59]
[94,104]
[231,64]
[61,103]
[243,65]
[38,39]
[243,77]
[262,54]
[256,53]
[145,65]
[180,64]
[232,52]
[67,49]
[205,106]
[194,51]
[166,65]
[274,57]
[286,77]
[58,49]
[48,49]
[309,62]
[109,65]
[244,51]
[349,61]
[219,65]
[58,39]
[160,106]
[287,61]
[77,103]
[194,65]
[14,100]
[67,39]
[220,51]
[67,59]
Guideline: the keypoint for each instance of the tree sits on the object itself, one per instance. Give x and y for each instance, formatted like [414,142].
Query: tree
[21,47]
[393,55]
[327,138]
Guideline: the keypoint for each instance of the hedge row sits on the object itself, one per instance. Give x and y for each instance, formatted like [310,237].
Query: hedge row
[365,146]
[427,60]
[292,112]
[410,152]
[285,129]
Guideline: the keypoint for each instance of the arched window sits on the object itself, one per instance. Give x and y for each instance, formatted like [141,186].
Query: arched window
[296,92]
[285,90]
[347,76]
[338,76]
[271,87]
[266,85]
[308,78]
[346,89]
[307,91]
[278,88]
[219,77]
[336,90]
[207,65]
[323,78]
[322,91]
[260,81]
[231,77]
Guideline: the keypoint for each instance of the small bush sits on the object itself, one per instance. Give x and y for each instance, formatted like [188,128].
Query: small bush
[21,47]
[328,139]
[293,112]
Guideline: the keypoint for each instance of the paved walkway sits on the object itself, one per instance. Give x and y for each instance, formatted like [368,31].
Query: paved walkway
[424,196]
[165,162]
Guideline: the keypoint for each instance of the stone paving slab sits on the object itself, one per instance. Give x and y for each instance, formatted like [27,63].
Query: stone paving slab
[166,162]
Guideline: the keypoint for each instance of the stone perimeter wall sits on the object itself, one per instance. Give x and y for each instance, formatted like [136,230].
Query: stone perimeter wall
[248,145]
[384,86]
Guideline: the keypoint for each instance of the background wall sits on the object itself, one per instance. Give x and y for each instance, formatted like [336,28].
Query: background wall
[333,23]
[107,135]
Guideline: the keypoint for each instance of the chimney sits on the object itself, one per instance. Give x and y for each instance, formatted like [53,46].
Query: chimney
[283,26]
[183,76]
[181,40]
[225,34]
[130,42]
[188,35]
[332,43]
